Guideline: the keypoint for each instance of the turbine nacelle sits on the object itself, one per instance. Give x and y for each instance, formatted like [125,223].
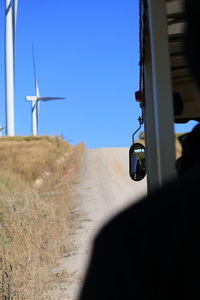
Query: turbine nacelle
[31,98]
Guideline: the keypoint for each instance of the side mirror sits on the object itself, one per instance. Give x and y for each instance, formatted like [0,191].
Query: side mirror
[137,162]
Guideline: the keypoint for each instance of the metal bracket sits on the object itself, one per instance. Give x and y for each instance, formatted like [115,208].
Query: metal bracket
[140,120]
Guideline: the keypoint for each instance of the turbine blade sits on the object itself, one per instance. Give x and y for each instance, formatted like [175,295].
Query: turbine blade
[35,76]
[15,6]
[33,55]
[37,89]
[50,98]
[38,106]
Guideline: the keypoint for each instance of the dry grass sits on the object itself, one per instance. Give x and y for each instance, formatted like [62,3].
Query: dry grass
[178,147]
[33,217]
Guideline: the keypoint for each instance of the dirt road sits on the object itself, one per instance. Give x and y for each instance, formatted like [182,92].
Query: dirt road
[104,189]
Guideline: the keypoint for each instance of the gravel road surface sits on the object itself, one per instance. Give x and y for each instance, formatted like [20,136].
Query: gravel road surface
[105,188]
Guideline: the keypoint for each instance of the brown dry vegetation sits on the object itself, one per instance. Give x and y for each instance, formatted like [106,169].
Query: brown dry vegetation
[178,147]
[36,175]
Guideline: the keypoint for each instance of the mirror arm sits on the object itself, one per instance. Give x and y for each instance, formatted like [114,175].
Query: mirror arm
[140,125]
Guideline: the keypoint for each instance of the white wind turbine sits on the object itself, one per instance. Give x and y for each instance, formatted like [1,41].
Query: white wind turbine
[35,102]
[10,33]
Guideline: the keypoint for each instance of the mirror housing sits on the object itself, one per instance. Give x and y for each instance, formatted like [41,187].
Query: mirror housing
[137,162]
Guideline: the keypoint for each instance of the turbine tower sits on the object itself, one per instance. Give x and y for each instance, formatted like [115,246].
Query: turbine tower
[10,32]
[36,101]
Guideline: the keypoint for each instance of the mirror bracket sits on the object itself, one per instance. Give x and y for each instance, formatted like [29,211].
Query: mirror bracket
[140,120]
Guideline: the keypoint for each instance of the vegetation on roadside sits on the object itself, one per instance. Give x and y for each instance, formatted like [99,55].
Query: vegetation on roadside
[36,176]
[178,146]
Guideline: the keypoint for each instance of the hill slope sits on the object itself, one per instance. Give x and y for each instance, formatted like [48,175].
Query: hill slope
[36,175]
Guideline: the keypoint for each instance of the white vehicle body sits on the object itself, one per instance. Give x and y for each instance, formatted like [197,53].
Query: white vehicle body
[163,72]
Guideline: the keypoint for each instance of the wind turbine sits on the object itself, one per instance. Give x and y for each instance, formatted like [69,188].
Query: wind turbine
[36,101]
[10,33]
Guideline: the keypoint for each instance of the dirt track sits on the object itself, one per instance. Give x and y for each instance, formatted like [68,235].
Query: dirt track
[104,189]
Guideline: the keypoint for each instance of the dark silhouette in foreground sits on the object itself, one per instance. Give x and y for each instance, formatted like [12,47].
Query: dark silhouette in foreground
[152,249]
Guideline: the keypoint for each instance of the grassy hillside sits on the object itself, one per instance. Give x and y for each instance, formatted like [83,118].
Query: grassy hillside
[36,175]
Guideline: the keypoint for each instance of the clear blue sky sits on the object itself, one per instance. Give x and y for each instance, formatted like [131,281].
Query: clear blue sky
[86,51]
